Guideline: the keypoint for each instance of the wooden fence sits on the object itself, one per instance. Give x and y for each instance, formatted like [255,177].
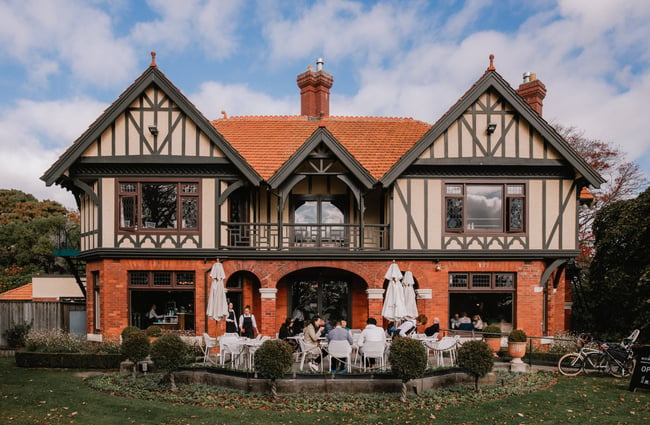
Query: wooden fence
[40,314]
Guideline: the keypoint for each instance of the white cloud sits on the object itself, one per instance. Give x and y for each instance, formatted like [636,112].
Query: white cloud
[214,97]
[64,36]
[212,24]
[33,135]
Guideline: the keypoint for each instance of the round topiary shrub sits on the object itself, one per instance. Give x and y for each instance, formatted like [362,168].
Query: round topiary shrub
[408,360]
[272,360]
[135,347]
[129,330]
[476,359]
[168,353]
[153,331]
[517,336]
[492,331]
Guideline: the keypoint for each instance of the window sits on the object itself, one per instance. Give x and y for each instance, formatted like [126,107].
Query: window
[158,278]
[482,281]
[158,206]
[485,207]
[316,219]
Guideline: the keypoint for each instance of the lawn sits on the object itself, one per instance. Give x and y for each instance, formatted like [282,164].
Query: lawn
[33,396]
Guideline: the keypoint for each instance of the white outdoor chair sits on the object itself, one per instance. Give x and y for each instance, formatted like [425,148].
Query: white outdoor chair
[446,346]
[311,351]
[430,343]
[208,344]
[229,344]
[340,350]
[373,350]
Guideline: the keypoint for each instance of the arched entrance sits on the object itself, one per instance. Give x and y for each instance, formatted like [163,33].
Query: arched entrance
[330,293]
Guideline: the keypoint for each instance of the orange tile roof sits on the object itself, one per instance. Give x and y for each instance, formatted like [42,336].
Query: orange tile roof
[21,293]
[267,142]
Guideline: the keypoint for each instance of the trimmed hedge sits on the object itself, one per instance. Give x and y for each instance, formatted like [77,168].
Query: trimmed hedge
[68,360]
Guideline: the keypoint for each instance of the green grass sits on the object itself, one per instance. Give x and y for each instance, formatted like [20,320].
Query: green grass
[33,396]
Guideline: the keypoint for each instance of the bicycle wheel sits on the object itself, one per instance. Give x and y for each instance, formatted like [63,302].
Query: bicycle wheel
[621,369]
[596,363]
[570,364]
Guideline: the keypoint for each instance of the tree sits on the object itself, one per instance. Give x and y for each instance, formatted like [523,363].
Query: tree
[135,347]
[30,231]
[476,359]
[624,180]
[408,360]
[168,353]
[618,292]
[272,360]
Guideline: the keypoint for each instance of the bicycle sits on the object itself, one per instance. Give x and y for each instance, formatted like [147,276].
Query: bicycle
[612,358]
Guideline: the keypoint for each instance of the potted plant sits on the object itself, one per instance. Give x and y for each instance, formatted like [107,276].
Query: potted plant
[517,345]
[492,335]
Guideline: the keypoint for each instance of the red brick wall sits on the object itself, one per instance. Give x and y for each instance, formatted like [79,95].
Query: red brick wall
[271,312]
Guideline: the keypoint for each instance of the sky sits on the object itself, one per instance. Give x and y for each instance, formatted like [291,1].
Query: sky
[62,62]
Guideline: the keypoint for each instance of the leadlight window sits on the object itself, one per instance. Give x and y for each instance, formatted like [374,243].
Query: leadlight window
[482,281]
[485,208]
[158,206]
[161,278]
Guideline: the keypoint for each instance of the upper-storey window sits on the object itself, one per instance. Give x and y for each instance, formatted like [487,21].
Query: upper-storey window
[486,208]
[319,220]
[158,205]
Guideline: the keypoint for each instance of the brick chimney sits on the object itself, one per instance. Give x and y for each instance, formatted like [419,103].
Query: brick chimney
[315,91]
[532,91]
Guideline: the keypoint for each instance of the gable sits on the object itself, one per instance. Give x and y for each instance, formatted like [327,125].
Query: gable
[513,137]
[468,121]
[129,135]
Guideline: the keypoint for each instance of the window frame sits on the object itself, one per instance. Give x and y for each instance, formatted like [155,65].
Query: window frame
[493,282]
[175,277]
[136,215]
[508,200]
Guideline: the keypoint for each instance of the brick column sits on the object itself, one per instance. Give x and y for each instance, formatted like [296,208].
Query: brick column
[266,323]
[375,302]
[425,305]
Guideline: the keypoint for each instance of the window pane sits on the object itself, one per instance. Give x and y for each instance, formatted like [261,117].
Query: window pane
[331,214]
[504,281]
[457,280]
[516,214]
[138,278]
[306,213]
[127,211]
[517,189]
[190,213]
[185,278]
[454,189]
[454,213]
[159,206]
[162,278]
[128,187]
[484,207]
[480,281]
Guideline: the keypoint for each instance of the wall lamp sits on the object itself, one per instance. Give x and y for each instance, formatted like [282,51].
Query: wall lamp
[153,129]
[491,127]
[438,267]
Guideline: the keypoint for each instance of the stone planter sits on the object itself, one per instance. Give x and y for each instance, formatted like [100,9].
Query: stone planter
[517,350]
[494,344]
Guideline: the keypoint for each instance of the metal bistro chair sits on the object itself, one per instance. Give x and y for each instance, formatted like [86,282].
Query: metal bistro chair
[252,348]
[340,350]
[208,344]
[447,345]
[229,344]
[311,351]
[373,350]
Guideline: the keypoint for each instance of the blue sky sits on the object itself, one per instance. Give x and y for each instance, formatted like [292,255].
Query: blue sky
[62,62]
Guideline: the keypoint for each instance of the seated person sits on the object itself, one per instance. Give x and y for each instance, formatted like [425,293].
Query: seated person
[478,323]
[339,333]
[409,326]
[152,315]
[286,330]
[434,328]
[371,333]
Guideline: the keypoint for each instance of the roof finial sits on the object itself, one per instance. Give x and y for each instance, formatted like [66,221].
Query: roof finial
[153,58]
[491,67]
[225,115]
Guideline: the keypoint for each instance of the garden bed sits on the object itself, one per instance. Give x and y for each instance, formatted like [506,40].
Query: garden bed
[68,360]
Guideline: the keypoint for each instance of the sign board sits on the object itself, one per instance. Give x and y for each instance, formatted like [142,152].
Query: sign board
[641,374]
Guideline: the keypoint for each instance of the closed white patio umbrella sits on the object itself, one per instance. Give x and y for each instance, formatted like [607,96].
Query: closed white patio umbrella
[409,296]
[394,307]
[217,307]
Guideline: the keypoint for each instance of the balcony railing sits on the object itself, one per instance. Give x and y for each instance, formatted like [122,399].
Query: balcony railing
[285,236]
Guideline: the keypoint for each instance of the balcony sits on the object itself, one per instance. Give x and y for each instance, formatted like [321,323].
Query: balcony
[287,236]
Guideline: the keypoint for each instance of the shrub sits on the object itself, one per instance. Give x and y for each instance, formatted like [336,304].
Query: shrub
[169,352]
[129,330]
[517,336]
[476,358]
[16,335]
[153,331]
[272,360]
[54,341]
[135,348]
[492,331]
[408,360]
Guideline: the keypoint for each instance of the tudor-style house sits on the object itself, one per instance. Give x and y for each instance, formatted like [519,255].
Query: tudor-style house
[306,213]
